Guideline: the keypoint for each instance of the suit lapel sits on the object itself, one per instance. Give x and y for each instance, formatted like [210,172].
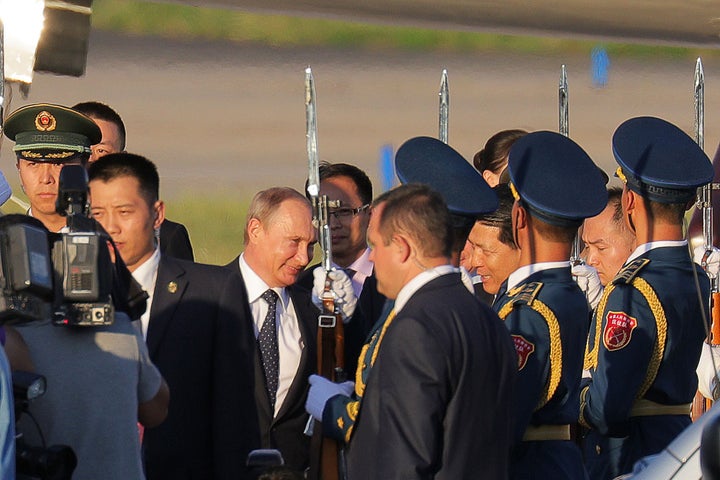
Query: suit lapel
[170,287]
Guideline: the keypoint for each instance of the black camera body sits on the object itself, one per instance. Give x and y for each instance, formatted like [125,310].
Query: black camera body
[81,258]
[26,274]
[84,277]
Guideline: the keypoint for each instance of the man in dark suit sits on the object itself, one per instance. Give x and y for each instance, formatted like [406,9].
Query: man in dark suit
[348,229]
[432,399]
[279,241]
[174,238]
[197,333]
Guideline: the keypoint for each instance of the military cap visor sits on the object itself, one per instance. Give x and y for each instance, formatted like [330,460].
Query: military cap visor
[429,161]
[41,128]
[555,179]
[659,161]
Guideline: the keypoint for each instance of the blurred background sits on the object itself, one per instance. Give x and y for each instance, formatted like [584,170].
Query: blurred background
[214,95]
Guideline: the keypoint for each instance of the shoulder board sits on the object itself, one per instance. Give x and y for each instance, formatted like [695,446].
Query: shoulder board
[526,294]
[628,273]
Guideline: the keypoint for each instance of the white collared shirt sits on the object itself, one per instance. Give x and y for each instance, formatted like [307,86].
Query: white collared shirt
[646,247]
[146,276]
[363,268]
[526,270]
[290,342]
[419,281]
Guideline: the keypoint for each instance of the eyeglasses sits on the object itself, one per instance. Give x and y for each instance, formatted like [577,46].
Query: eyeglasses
[346,213]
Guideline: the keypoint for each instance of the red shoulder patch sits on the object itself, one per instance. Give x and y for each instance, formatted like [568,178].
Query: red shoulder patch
[523,348]
[618,330]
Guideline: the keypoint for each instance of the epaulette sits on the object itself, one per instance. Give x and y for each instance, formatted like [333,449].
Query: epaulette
[527,293]
[629,271]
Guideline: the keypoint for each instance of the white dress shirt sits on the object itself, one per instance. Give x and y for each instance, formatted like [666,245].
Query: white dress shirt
[363,268]
[419,281]
[146,276]
[290,342]
[525,271]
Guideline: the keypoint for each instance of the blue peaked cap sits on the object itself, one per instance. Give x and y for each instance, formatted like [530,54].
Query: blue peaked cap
[429,161]
[659,161]
[555,179]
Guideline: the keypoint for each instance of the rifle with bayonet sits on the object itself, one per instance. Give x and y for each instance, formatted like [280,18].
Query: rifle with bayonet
[564,129]
[444,109]
[326,462]
[704,203]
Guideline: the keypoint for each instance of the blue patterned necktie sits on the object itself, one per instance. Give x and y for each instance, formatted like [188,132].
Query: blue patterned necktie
[268,344]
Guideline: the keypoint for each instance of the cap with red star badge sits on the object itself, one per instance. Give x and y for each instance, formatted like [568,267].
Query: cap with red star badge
[44,132]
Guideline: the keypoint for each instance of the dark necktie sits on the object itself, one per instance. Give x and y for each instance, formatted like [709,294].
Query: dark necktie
[268,343]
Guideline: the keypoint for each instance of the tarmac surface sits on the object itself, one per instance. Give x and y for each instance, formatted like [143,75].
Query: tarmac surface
[223,118]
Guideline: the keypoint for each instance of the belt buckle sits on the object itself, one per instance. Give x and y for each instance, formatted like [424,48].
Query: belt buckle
[326,321]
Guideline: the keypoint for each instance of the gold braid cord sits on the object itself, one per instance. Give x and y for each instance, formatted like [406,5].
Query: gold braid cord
[591,354]
[642,286]
[353,407]
[555,346]
[359,384]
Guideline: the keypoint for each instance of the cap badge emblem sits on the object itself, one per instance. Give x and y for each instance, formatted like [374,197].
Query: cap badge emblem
[45,122]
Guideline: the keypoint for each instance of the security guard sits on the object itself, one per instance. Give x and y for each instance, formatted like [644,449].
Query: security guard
[556,185]
[47,137]
[647,333]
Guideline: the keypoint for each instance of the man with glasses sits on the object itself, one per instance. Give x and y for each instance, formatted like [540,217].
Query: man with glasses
[348,229]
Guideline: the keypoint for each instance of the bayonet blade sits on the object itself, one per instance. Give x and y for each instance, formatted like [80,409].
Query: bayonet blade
[699,104]
[563,123]
[444,107]
[313,187]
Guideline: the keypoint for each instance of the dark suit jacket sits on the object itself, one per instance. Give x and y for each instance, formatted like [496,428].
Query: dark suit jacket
[437,400]
[482,295]
[285,431]
[175,241]
[201,342]
[368,310]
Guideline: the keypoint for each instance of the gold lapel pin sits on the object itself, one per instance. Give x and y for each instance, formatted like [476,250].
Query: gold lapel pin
[172,287]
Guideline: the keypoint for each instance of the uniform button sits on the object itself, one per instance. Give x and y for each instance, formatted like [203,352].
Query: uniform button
[598,449]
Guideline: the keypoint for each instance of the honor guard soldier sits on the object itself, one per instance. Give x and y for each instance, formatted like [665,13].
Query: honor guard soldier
[418,410]
[47,137]
[647,333]
[556,185]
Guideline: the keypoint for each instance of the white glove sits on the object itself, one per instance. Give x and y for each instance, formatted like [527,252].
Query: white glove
[707,378]
[713,260]
[342,291]
[322,390]
[588,280]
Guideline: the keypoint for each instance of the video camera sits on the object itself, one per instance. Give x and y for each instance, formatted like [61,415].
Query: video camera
[81,257]
[66,277]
